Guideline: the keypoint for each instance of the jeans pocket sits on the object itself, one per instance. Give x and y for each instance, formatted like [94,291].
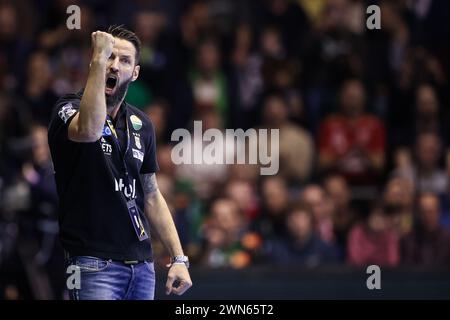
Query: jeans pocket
[90,264]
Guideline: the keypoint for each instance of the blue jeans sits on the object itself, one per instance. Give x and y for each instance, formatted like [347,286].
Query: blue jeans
[112,280]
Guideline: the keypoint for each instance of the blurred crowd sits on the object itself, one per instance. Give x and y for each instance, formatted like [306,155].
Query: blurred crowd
[363,117]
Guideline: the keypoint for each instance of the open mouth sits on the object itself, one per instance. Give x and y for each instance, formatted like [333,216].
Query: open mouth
[111,82]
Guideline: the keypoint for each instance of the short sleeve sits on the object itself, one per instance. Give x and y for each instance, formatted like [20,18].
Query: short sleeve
[65,110]
[150,163]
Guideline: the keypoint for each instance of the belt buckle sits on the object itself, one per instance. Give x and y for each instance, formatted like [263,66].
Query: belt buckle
[130,261]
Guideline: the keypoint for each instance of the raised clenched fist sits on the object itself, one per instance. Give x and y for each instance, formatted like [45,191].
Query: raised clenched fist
[103,44]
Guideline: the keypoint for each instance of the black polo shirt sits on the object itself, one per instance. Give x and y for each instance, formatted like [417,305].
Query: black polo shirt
[92,185]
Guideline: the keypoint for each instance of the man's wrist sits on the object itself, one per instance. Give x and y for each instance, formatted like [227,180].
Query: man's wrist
[98,60]
[180,259]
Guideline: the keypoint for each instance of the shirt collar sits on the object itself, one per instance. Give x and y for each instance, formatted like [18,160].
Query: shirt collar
[120,116]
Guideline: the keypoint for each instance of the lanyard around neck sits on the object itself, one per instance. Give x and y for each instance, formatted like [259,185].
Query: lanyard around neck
[117,144]
[116,138]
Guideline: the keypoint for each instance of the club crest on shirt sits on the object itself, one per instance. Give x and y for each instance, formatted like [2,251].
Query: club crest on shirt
[66,112]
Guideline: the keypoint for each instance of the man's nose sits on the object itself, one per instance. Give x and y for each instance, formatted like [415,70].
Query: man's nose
[114,66]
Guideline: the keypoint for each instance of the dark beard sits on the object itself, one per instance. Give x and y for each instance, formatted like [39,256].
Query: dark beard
[114,99]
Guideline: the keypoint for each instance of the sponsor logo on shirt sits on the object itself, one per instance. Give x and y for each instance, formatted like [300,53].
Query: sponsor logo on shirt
[129,191]
[106,147]
[66,112]
[136,122]
[138,155]
[137,141]
[106,131]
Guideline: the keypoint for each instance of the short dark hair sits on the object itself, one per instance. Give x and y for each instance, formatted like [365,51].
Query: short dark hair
[297,208]
[119,31]
[300,206]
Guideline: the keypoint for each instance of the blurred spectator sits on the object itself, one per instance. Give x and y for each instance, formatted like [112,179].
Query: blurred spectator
[333,54]
[180,191]
[352,142]
[291,20]
[150,27]
[125,12]
[272,46]
[246,172]
[279,71]
[205,177]
[427,174]
[195,24]
[301,245]
[14,48]
[322,208]
[403,160]
[14,128]
[165,163]
[275,201]
[30,203]
[399,203]
[296,145]
[158,111]
[69,50]
[313,8]
[38,92]
[55,36]
[427,110]
[243,193]
[427,116]
[39,175]
[153,78]
[374,241]
[54,14]
[398,34]
[223,233]
[344,214]
[246,85]
[208,82]
[188,215]
[340,15]
[428,244]
[430,23]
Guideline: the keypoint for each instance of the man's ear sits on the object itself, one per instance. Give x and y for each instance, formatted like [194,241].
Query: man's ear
[136,72]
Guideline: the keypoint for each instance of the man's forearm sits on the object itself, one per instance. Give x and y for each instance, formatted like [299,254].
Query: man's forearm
[161,220]
[92,112]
